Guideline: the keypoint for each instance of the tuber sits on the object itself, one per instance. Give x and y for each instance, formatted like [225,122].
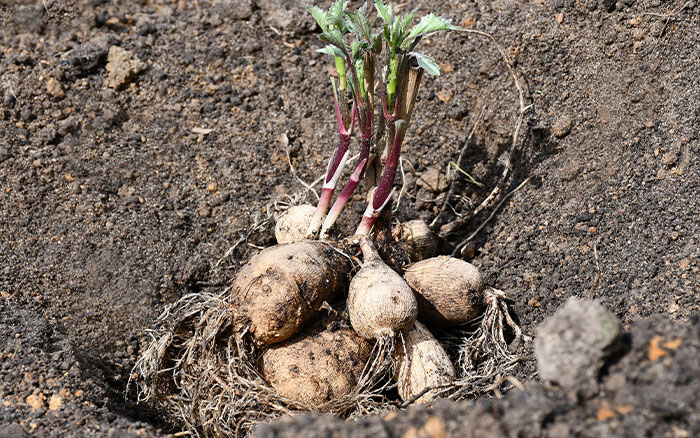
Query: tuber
[380,303]
[415,236]
[283,286]
[449,291]
[291,226]
[317,367]
[423,364]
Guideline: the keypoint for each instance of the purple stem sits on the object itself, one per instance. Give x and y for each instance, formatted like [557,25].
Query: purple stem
[343,197]
[355,178]
[335,166]
[385,188]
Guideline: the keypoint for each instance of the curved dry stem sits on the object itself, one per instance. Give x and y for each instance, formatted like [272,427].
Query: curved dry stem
[492,197]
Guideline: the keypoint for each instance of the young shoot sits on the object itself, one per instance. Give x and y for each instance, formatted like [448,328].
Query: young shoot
[356,49]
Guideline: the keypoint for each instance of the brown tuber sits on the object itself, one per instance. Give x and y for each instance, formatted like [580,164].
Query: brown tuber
[449,291]
[380,303]
[317,368]
[422,364]
[417,239]
[292,224]
[283,286]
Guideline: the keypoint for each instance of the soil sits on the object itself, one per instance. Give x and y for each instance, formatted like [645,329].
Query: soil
[131,177]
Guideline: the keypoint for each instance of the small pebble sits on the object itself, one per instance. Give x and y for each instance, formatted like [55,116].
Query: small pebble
[204,211]
[54,88]
[562,126]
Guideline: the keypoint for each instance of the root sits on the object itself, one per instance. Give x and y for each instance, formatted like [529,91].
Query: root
[484,358]
[380,366]
[202,373]
[493,197]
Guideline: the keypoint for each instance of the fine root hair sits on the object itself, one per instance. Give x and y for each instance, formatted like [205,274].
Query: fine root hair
[484,357]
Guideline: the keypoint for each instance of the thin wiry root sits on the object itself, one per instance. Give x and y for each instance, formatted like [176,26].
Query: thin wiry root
[484,357]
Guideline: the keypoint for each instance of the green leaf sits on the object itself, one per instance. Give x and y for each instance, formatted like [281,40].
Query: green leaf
[338,8]
[427,63]
[336,14]
[320,16]
[335,37]
[377,42]
[428,24]
[332,50]
[359,24]
[355,49]
[386,13]
[399,29]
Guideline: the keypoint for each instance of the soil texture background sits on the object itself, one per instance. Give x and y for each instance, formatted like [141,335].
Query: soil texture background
[145,146]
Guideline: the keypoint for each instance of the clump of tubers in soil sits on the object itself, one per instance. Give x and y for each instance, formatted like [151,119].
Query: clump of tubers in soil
[291,226]
[263,347]
[272,345]
[449,291]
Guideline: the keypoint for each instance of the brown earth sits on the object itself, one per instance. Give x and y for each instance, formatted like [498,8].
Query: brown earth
[130,177]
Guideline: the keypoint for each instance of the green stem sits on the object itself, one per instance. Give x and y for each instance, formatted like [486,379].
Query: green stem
[394,63]
[342,74]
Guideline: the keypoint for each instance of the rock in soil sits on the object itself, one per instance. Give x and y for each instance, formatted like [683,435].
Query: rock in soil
[122,66]
[572,345]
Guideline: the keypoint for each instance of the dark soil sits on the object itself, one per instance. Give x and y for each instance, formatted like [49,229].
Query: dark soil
[116,201]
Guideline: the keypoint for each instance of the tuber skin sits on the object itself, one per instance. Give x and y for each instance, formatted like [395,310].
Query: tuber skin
[318,366]
[291,226]
[380,303]
[449,291]
[417,238]
[422,364]
[283,286]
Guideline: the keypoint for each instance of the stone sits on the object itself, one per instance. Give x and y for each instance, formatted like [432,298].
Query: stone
[562,126]
[12,430]
[54,88]
[277,13]
[236,9]
[36,401]
[122,67]
[84,59]
[55,402]
[573,344]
